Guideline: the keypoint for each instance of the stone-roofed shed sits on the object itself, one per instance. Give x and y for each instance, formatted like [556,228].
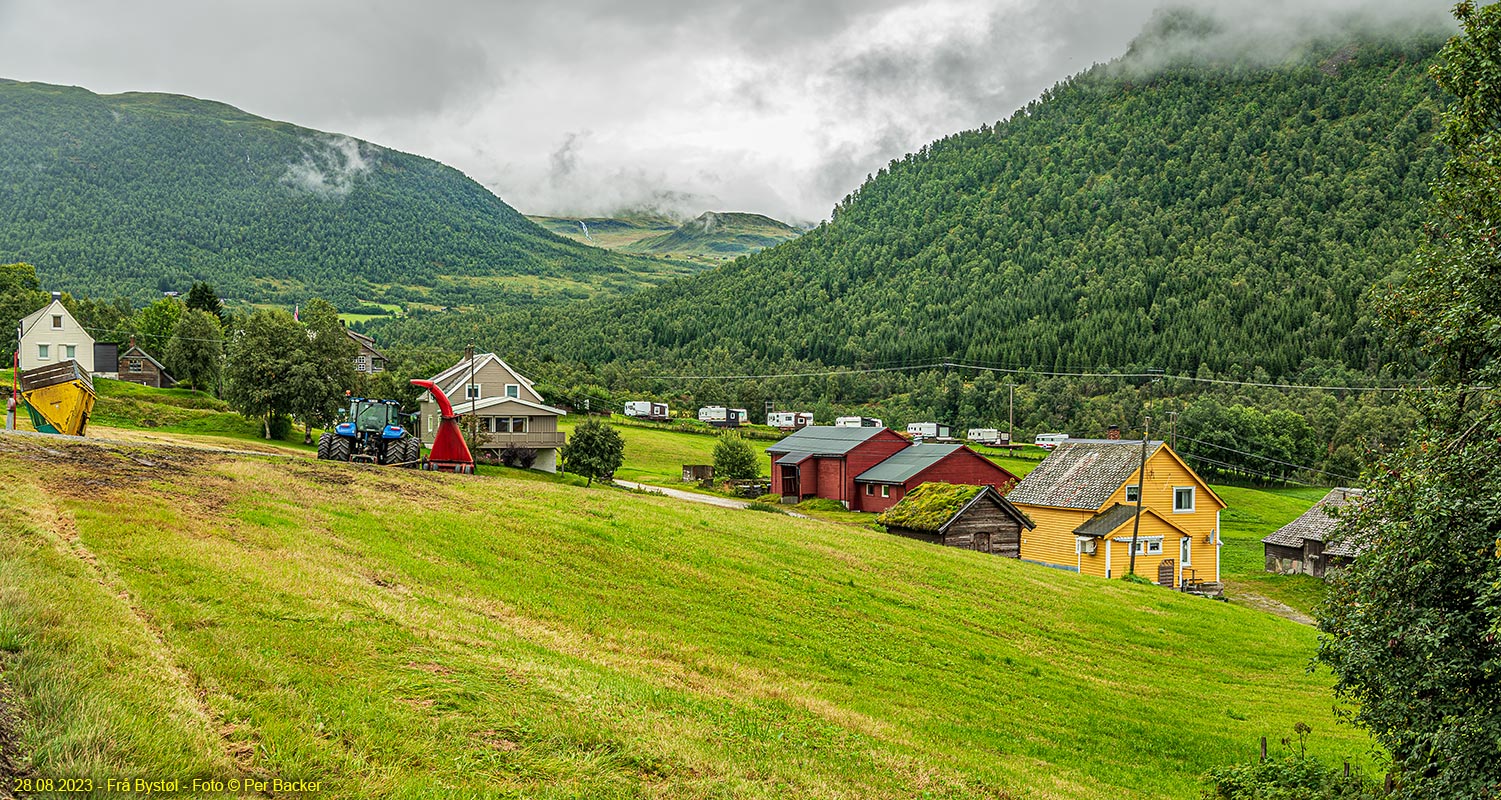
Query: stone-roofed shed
[1303,547]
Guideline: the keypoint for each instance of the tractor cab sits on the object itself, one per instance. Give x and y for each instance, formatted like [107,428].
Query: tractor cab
[370,431]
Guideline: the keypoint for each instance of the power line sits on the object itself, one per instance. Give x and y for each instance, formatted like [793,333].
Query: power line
[1266,458]
[1248,470]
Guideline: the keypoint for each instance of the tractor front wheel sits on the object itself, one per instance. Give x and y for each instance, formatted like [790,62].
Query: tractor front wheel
[339,448]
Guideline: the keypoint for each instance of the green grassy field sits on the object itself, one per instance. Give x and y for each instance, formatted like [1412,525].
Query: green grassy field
[173,613]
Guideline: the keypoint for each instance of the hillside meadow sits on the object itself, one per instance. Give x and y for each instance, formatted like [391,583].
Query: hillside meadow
[168,612]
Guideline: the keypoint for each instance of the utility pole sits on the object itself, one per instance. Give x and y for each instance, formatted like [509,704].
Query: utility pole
[1141,476]
[473,395]
[1172,421]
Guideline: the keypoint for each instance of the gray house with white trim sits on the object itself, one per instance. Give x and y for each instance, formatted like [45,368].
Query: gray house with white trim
[508,413]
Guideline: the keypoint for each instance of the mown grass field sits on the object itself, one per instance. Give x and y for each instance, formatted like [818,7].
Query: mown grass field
[176,613]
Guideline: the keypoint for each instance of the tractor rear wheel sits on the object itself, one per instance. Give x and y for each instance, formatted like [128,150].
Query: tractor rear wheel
[323,442]
[413,453]
[339,449]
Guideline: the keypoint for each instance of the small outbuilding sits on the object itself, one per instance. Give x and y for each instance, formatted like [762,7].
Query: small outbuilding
[1302,546]
[970,517]
[137,366]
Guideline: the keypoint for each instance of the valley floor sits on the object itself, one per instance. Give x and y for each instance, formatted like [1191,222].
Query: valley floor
[181,613]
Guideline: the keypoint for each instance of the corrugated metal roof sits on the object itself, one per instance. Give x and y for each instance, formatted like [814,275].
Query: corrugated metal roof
[793,459]
[1081,474]
[906,463]
[1103,523]
[824,440]
[1317,523]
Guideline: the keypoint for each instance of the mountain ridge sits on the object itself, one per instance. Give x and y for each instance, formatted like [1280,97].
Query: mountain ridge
[139,192]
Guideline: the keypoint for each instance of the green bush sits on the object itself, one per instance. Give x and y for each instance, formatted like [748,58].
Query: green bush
[734,458]
[1295,777]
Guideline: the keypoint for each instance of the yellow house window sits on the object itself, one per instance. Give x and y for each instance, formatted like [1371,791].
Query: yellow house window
[1183,499]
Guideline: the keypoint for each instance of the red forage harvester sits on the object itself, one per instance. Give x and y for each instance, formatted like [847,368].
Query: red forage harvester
[449,452]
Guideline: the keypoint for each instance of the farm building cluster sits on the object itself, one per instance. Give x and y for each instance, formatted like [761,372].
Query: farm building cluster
[1077,511]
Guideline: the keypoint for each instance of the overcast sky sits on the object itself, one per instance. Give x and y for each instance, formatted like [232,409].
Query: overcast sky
[775,106]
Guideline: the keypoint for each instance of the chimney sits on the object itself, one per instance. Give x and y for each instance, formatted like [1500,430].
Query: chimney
[132,343]
[1113,433]
[57,295]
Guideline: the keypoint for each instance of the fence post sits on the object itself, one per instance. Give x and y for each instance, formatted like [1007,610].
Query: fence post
[1263,749]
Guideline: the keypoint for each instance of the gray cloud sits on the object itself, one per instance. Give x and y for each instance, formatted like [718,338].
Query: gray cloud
[589,106]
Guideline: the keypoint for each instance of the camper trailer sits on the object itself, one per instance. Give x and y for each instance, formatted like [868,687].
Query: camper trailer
[721,417]
[927,430]
[645,409]
[858,422]
[789,420]
[991,436]
[1048,441]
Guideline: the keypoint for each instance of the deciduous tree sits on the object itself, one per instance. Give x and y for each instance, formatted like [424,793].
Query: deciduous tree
[595,450]
[1412,629]
[323,369]
[734,458]
[262,352]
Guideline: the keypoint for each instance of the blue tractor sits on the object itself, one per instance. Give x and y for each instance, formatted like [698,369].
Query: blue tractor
[370,432]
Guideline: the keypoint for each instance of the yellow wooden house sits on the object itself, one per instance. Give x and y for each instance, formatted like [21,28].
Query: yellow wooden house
[1083,499]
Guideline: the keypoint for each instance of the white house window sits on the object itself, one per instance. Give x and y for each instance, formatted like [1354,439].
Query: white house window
[1183,499]
[1183,550]
[359,363]
[513,390]
[471,391]
[885,491]
[57,322]
[1149,547]
[135,365]
[1131,494]
[43,351]
[70,350]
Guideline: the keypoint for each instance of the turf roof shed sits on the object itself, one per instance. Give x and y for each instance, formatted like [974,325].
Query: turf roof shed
[969,517]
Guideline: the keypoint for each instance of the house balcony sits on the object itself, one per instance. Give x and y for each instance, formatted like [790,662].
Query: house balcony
[539,440]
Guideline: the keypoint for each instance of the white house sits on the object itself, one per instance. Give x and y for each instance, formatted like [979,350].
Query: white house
[51,336]
[509,413]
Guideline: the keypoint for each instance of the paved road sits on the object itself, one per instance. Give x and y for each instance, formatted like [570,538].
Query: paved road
[694,497]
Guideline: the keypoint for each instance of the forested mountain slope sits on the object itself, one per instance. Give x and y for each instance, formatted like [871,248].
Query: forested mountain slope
[1226,217]
[135,193]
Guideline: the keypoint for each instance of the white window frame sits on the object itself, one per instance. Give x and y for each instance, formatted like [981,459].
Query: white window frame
[1192,499]
[43,352]
[870,490]
[1130,490]
[1144,543]
[472,391]
[1185,550]
[513,390]
[69,350]
[885,490]
[57,322]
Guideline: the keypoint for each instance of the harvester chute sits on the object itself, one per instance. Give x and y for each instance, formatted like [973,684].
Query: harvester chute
[59,397]
[449,451]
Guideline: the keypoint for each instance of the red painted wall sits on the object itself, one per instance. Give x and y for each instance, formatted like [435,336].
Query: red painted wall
[834,478]
[963,466]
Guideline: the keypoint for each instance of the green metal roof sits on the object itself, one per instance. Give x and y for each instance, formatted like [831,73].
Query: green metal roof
[824,440]
[906,463]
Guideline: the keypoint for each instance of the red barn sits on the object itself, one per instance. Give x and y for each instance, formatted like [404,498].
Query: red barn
[822,461]
[885,484]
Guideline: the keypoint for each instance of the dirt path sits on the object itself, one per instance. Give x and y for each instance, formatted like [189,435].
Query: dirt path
[10,743]
[694,497]
[1261,603]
